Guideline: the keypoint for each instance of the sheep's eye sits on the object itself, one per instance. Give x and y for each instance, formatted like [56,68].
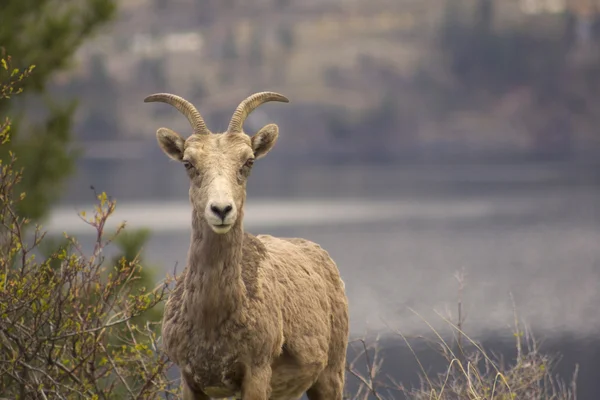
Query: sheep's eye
[249,163]
[244,171]
[188,165]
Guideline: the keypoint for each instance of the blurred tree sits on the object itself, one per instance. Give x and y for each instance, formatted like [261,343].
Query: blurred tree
[256,54]
[205,11]
[286,37]
[230,50]
[160,5]
[281,4]
[488,66]
[102,109]
[484,15]
[198,90]
[485,61]
[151,72]
[46,33]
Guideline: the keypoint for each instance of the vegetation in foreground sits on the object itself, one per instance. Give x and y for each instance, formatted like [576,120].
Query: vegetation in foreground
[472,372]
[72,325]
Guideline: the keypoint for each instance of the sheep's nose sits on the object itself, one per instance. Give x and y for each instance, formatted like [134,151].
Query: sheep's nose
[221,210]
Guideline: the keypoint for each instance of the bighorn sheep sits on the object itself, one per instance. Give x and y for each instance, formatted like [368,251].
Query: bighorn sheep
[255,317]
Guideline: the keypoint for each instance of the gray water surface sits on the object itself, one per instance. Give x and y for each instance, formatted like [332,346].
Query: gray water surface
[398,254]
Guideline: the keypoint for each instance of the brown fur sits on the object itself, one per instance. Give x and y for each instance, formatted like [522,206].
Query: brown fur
[256,317]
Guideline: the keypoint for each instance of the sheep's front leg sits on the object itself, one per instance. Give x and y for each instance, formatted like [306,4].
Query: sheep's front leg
[257,383]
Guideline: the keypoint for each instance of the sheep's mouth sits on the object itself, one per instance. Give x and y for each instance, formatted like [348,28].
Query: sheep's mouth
[221,228]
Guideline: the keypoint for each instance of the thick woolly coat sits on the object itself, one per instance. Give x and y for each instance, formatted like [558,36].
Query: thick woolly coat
[244,302]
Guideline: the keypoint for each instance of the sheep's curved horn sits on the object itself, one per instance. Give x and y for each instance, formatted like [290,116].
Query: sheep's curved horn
[185,107]
[250,104]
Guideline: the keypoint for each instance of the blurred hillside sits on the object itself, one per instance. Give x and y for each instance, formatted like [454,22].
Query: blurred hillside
[382,80]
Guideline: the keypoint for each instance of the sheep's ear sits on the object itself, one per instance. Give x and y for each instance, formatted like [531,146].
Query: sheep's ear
[264,140]
[171,143]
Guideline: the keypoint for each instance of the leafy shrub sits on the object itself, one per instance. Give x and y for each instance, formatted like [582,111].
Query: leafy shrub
[71,325]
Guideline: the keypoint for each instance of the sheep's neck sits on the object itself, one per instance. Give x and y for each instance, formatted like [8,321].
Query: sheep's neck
[215,290]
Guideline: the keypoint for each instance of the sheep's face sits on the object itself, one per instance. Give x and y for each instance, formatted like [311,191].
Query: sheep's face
[218,166]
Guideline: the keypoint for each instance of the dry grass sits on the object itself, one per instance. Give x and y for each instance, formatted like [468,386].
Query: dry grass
[472,373]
